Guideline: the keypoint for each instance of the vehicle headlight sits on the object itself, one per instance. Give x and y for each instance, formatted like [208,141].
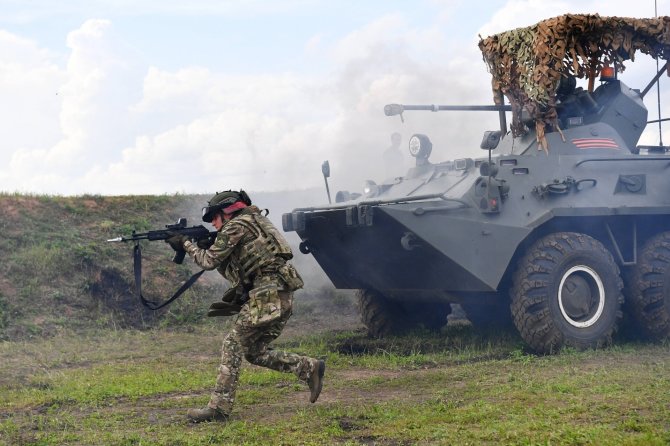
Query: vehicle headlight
[370,188]
[420,146]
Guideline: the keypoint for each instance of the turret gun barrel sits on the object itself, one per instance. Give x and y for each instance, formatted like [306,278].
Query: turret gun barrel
[398,109]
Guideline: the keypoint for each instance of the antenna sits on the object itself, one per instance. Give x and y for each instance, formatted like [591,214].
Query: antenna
[325,169]
[658,92]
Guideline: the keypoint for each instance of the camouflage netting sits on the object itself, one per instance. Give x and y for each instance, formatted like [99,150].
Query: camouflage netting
[527,63]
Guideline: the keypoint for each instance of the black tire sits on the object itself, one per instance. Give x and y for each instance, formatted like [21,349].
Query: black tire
[383,316]
[567,292]
[649,288]
[489,313]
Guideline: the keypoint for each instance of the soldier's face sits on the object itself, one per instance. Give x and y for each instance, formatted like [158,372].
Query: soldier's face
[217,221]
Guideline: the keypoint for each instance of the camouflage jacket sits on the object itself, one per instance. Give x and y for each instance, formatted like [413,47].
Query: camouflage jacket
[248,251]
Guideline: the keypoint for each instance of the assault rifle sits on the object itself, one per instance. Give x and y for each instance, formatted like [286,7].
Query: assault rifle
[179,228]
[195,233]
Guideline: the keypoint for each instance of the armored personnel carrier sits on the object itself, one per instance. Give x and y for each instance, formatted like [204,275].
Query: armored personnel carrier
[561,227]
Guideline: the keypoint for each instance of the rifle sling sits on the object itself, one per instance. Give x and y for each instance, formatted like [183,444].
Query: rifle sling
[137,267]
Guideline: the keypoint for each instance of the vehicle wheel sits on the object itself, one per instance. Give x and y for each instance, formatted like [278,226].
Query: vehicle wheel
[489,313]
[649,288]
[383,316]
[567,292]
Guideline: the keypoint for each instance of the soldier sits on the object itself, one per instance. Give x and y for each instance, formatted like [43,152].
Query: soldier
[253,255]
[393,159]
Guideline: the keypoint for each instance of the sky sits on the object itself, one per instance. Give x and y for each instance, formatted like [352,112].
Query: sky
[118,97]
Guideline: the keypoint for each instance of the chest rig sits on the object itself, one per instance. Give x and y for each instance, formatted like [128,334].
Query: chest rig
[263,249]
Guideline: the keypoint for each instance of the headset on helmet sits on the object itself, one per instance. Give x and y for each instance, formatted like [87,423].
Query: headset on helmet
[221,201]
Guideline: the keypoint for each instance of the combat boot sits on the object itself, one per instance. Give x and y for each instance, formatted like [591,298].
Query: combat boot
[206,414]
[315,381]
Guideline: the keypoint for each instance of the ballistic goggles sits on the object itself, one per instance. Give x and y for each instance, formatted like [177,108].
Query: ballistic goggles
[208,212]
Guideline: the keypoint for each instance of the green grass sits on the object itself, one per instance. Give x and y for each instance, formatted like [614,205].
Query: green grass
[59,272]
[132,388]
[74,371]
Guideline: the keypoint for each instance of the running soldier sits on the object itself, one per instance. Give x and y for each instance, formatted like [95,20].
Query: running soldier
[253,256]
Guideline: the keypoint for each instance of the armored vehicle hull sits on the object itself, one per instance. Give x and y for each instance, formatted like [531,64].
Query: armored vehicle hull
[547,232]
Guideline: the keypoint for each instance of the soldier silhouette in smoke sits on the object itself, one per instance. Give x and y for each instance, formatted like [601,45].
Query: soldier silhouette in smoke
[393,159]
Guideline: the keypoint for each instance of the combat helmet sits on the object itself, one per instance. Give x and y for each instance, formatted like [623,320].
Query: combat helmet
[221,200]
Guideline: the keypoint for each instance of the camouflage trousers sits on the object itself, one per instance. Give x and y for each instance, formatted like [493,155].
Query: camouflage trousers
[252,342]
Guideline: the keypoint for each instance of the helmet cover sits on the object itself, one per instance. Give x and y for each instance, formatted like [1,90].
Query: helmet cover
[222,200]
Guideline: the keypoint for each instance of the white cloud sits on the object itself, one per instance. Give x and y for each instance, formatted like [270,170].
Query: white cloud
[103,80]
[94,90]
[29,81]
[313,45]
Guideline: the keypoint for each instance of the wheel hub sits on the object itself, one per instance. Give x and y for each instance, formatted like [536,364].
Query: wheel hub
[581,296]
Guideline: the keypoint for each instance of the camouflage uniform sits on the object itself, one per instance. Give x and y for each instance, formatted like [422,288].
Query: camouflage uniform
[250,252]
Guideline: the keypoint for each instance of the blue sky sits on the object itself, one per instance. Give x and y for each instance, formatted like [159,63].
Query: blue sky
[150,96]
[249,37]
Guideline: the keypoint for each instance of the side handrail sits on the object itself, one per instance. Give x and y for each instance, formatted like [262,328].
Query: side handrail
[387,201]
[637,158]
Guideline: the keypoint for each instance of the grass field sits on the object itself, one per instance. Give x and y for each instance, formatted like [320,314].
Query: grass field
[81,363]
[458,387]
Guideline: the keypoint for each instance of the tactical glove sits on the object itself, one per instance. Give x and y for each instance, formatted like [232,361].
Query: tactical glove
[176,241]
[233,295]
[206,243]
